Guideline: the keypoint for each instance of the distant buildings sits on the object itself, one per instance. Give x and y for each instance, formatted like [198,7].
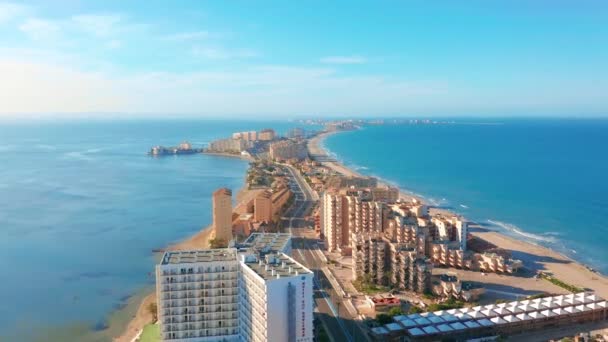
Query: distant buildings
[229,145]
[267,134]
[269,203]
[288,149]
[254,292]
[247,136]
[222,214]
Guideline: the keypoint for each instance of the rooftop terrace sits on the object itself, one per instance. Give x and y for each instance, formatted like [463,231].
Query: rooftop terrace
[203,255]
[275,266]
[267,242]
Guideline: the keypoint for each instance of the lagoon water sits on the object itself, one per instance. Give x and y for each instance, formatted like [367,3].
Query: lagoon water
[543,181]
[82,207]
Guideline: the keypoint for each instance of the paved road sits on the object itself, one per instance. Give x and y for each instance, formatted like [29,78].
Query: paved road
[340,325]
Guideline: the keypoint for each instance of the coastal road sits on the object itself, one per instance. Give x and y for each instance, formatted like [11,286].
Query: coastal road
[340,324]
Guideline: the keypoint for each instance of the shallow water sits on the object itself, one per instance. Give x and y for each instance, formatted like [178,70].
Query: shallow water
[82,207]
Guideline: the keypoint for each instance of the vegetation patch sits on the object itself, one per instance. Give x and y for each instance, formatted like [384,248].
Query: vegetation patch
[151,333]
[555,281]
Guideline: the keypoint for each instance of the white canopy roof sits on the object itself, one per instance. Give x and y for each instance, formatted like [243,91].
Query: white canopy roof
[511,318]
[548,313]
[476,314]
[524,317]
[498,320]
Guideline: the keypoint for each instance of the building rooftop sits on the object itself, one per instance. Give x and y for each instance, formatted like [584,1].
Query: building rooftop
[497,314]
[275,266]
[266,243]
[222,191]
[203,255]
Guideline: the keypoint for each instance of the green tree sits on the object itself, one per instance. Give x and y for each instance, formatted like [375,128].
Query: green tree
[383,319]
[414,310]
[395,311]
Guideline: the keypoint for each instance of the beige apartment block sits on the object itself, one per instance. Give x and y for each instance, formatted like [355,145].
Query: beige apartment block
[222,214]
[288,149]
[267,134]
[369,258]
[269,203]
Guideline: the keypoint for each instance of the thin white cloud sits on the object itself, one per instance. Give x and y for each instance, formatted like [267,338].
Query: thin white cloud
[100,25]
[32,87]
[222,53]
[40,29]
[187,36]
[343,60]
[10,11]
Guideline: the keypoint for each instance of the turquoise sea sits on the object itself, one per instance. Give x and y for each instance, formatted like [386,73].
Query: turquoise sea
[82,207]
[543,181]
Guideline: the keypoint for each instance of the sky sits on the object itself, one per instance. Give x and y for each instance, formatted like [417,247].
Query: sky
[303,58]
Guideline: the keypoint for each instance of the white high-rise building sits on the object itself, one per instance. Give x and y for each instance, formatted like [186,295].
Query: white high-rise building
[254,292]
[197,295]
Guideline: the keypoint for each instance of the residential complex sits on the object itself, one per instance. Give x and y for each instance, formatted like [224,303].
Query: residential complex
[253,292]
[269,203]
[222,214]
[247,136]
[267,134]
[229,145]
[288,149]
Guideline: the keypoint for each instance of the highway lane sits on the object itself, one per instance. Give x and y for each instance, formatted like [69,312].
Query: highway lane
[341,325]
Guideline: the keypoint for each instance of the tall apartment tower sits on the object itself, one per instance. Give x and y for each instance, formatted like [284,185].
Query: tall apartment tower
[222,214]
[197,294]
[255,292]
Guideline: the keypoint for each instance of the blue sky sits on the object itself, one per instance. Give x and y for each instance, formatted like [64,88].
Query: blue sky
[277,59]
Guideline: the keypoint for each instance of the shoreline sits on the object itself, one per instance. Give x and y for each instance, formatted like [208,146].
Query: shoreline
[200,239]
[535,257]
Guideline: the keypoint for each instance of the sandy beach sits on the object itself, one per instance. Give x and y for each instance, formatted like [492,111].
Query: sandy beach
[534,257]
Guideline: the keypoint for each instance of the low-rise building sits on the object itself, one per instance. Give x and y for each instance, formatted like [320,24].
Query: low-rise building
[492,320]
[448,285]
[382,303]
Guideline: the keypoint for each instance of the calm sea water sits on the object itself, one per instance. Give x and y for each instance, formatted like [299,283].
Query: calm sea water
[543,181]
[82,207]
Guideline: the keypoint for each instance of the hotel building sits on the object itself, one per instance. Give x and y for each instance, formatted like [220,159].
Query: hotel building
[253,292]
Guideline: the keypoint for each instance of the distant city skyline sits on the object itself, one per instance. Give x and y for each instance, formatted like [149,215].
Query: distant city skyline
[285,59]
